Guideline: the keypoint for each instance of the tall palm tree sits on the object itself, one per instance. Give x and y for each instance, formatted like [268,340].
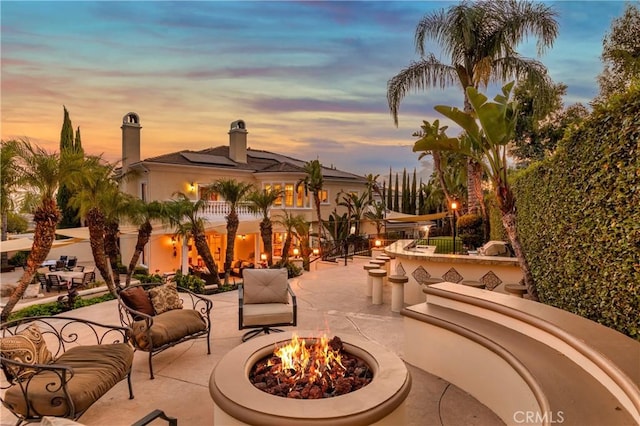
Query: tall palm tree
[183,215]
[313,182]
[480,39]
[373,187]
[261,202]
[141,213]
[234,192]
[94,189]
[8,185]
[40,172]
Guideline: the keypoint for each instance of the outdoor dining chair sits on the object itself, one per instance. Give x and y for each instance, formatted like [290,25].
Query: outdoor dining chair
[56,281]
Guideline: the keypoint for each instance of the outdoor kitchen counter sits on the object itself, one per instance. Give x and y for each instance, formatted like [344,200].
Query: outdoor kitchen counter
[422,263]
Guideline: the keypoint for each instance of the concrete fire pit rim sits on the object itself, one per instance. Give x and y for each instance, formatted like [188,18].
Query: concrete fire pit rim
[232,391]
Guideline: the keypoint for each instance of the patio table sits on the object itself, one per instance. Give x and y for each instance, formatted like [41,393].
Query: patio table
[67,275]
[50,262]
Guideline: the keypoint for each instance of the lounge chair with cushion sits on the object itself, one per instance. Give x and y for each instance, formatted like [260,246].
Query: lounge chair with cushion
[59,366]
[265,301]
[161,316]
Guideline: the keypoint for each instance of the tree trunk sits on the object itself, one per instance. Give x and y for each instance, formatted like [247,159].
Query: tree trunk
[4,260]
[46,218]
[144,235]
[200,240]
[96,224]
[316,201]
[112,251]
[232,230]
[509,222]
[266,231]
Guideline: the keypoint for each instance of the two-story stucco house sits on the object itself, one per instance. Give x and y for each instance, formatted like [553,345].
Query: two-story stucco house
[160,177]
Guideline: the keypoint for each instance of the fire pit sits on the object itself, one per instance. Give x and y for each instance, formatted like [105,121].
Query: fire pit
[238,401]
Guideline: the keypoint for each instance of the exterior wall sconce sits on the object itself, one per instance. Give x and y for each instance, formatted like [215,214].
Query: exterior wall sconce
[242,237]
[316,251]
[296,252]
[192,187]
[263,257]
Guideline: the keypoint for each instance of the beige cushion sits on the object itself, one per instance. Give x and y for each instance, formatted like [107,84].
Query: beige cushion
[266,314]
[265,286]
[165,298]
[493,248]
[169,327]
[27,346]
[96,369]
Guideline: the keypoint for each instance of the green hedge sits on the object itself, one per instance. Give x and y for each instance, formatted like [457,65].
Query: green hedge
[579,218]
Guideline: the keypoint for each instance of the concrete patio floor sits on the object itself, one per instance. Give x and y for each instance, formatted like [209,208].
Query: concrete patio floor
[331,299]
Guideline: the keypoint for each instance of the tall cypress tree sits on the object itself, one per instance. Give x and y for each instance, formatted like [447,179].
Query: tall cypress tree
[396,197]
[405,192]
[77,145]
[414,195]
[421,206]
[67,144]
[390,193]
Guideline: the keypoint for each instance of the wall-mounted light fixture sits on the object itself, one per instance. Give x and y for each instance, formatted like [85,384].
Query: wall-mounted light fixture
[242,236]
[192,187]
[296,252]
[263,257]
[316,251]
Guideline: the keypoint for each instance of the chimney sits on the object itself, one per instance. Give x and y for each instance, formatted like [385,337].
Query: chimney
[238,142]
[130,140]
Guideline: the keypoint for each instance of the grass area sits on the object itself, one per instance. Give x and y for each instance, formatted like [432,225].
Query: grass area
[444,245]
[54,308]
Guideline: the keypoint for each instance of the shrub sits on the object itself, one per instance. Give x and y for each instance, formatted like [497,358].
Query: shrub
[190,282]
[470,230]
[54,308]
[292,270]
[146,278]
[19,259]
[579,218]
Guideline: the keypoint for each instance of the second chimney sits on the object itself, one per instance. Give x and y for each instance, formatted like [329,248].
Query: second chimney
[238,142]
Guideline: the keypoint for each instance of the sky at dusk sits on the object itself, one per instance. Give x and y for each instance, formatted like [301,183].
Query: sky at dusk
[308,78]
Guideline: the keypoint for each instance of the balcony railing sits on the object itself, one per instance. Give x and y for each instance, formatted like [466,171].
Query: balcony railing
[220,209]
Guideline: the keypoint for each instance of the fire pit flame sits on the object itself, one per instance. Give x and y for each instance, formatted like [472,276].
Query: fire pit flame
[311,370]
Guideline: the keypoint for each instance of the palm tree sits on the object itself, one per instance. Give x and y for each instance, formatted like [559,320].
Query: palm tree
[356,206]
[261,202]
[486,141]
[289,222]
[480,39]
[9,183]
[94,189]
[141,213]
[183,215]
[377,216]
[313,182]
[40,172]
[233,192]
[373,187]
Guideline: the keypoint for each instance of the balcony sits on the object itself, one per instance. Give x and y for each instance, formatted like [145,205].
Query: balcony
[218,210]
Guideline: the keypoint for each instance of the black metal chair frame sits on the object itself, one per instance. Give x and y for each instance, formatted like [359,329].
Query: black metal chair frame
[65,331]
[264,328]
[55,281]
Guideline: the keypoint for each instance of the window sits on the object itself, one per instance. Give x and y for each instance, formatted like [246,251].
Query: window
[276,187]
[212,196]
[143,191]
[288,195]
[301,198]
[324,196]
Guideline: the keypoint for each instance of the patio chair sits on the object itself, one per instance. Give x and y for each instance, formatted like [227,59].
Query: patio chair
[42,278]
[56,281]
[71,263]
[265,301]
[79,283]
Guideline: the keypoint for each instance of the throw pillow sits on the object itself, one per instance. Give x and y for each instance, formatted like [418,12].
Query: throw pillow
[265,286]
[165,298]
[27,346]
[138,299]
